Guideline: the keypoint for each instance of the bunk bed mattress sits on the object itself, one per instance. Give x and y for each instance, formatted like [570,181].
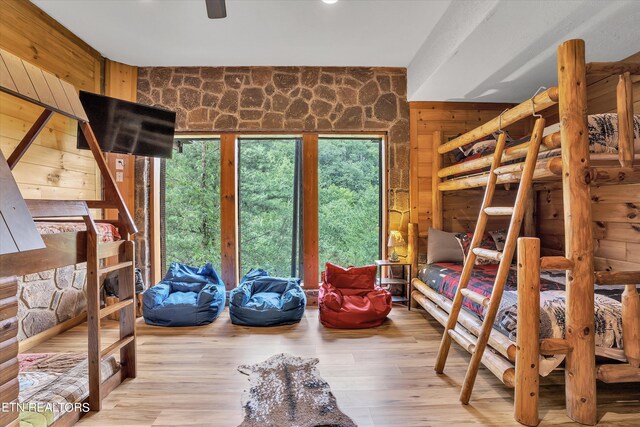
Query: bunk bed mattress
[50,381]
[443,278]
[106,232]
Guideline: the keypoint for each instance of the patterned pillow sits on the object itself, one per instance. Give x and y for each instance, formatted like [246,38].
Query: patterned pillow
[499,237]
[486,243]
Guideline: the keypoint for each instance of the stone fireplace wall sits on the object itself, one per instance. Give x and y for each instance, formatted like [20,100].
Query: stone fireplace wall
[294,99]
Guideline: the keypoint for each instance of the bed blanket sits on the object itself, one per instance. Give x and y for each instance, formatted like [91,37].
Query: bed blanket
[444,278]
[48,381]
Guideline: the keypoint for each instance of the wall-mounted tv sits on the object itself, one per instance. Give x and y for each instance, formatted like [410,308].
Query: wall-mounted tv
[127,127]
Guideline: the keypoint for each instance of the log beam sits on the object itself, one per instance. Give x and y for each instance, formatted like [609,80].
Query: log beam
[623,373]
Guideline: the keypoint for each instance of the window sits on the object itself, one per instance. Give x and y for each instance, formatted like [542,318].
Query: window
[269,205]
[349,200]
[267,187]
[192,203]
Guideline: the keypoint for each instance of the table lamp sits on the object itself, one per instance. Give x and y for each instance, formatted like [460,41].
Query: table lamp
[395,240]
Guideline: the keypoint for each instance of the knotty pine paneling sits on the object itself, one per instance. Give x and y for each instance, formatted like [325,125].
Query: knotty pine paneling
[53,168]
[461,207]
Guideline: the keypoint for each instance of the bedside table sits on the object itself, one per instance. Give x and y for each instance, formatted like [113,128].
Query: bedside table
[405,280]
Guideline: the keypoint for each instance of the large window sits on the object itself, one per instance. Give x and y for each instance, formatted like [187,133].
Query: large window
[349,200]
[266,183]
[192,203]
[268,208]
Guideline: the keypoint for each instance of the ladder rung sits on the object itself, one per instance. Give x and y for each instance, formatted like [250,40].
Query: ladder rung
[475,297]
[499,211]
[555,263]
[551,346]
[110,309]
[115,267]
[488,253]
[117,346]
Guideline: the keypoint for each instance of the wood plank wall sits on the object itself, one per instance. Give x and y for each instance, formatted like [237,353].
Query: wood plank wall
[615,208]
[121,81]
[52,168]
[460,207]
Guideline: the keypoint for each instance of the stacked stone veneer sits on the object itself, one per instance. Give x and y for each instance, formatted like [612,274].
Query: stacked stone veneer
[50,297]
[292,99]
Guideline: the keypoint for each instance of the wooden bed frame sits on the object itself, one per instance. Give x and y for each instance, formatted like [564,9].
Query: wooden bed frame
[517,364]
[30,83]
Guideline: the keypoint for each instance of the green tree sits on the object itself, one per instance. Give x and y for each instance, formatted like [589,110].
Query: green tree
[349,203]
[192,204]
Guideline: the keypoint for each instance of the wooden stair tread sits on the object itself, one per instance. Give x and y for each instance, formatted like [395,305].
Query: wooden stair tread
[117,346]
[499,211]
[110,309]
[488,253]
[475,297]
[115,267]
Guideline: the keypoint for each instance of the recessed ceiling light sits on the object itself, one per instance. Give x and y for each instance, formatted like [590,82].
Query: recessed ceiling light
[329,1]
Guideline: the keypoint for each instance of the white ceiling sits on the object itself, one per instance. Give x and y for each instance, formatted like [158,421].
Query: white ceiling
[471,50]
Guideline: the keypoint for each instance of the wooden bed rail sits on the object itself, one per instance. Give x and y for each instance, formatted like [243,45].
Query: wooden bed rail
[512,153]
[540,102]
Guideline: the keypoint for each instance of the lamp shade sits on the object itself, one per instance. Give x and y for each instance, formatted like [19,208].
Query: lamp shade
[395,239]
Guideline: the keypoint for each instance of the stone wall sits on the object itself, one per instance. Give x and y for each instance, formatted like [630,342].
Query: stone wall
[293,99]
[50,297]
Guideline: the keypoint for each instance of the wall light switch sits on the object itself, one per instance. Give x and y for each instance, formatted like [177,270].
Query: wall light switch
[119,176]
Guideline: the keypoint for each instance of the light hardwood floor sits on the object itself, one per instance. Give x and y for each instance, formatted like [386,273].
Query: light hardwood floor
[381,377]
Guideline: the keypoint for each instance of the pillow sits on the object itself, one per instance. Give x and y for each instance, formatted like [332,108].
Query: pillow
[443,247]
[351,278]
[486,243]
[499,238]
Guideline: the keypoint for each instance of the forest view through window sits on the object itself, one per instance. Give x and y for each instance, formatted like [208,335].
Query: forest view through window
[270,201]
[192,203]
[349,201]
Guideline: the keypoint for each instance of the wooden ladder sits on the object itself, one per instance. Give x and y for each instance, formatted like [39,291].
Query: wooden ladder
[505,257]
[125,251]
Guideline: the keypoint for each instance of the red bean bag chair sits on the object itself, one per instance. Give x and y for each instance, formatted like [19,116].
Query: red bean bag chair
[350,299]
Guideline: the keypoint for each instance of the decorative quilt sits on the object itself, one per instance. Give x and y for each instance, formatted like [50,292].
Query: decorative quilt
[444,279]
[106,232]
[50,381]
[603,139]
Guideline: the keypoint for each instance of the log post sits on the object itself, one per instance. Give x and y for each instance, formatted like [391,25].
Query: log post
[529,223]
[580,372]
[412,257]
[527,347]
[624,98]
[631,324]
[436,194]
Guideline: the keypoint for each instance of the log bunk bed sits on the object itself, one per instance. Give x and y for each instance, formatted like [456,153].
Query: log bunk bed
[516,362]
[82,244]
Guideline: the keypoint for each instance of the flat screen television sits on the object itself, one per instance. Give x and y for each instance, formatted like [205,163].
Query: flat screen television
[128,128]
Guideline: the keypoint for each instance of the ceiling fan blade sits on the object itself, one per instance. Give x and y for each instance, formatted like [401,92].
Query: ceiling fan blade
[216,9]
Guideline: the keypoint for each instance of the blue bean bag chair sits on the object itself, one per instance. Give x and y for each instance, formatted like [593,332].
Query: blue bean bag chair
[262,300]
[187,296]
